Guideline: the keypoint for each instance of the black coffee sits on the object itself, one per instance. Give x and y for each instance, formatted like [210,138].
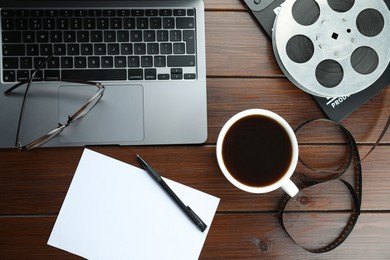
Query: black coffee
[257,151]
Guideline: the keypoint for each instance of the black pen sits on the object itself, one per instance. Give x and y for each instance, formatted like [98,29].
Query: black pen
[186,209]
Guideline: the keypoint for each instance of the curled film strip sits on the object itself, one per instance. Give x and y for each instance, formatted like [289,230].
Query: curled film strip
[332,48]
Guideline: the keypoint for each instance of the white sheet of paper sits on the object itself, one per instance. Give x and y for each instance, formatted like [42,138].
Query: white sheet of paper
[117,211]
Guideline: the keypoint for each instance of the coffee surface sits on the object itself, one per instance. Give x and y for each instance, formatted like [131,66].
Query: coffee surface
[257,151]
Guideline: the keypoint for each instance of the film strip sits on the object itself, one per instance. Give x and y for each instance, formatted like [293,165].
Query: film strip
[354,161]
[332,48]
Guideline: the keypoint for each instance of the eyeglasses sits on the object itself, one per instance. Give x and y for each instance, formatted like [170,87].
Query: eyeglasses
[71,118]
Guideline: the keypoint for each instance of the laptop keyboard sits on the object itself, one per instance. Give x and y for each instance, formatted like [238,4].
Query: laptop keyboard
[96,44]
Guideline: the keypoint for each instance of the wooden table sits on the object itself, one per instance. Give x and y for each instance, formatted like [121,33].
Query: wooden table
[242,73]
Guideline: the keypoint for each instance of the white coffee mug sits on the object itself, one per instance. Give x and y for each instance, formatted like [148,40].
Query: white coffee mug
[284,179]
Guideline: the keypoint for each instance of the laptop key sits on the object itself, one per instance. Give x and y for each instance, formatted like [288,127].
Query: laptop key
[150,74]
[126,48]
[51,75]
[179,12]
[179,48]
[146,61]
[12,37]
[73,49]
[175,35]
[66,62]
[43,36]
[176,76]
[151,12]
[189,76]
[55,36]
[169,23]
[162,35]
[59,49]
[142,23]
[14,50]
[109,12]
[22,13]
[54,63]
[155,23]
[120,61]
[35,23]
[89,23]
[80,62]
[9,76]
[140,48]
[49,23]
[189,38]
[107,62]
[21,24]
[109,36]
[136,36]
[176,73]
[129,23]
[163,76]
[159,61]
[96,36]
[100,49]
[75,23]
[123,12]
[95,74]
[115,23]
[22,75]
[38,61]
[10,63]
[113,49]
[7,13]
[185,22]
[83,36]
[133,61]
[63,23]
[93,62]
[86,49]
[95,13]
[28,36]
[165,12]
[153,48]
[123,36]
[66,13]
[181,61]
[137,12]
[102,23]
[135,74]
[166,48]
[36,13]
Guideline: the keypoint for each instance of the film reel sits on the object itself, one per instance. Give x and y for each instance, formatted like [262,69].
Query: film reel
[332,48]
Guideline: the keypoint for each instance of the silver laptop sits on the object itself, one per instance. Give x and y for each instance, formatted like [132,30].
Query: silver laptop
[149,55]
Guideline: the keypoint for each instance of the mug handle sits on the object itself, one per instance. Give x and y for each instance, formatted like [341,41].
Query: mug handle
[290,188]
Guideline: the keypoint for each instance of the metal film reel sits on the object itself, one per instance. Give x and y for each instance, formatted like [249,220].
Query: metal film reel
[332,48]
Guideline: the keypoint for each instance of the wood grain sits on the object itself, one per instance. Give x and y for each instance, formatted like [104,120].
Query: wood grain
[241,73]
[213,5]
[41,188]
[232,236]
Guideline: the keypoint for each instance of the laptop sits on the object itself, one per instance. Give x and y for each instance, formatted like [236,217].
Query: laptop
[149,55]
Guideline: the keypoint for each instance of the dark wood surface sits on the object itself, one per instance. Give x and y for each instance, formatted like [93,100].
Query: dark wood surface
[242,73]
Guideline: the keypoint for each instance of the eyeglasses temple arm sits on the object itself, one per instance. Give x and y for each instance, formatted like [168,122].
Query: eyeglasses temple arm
[8,91]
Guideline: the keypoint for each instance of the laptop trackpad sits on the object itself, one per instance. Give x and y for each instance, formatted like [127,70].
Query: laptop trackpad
[116,119]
